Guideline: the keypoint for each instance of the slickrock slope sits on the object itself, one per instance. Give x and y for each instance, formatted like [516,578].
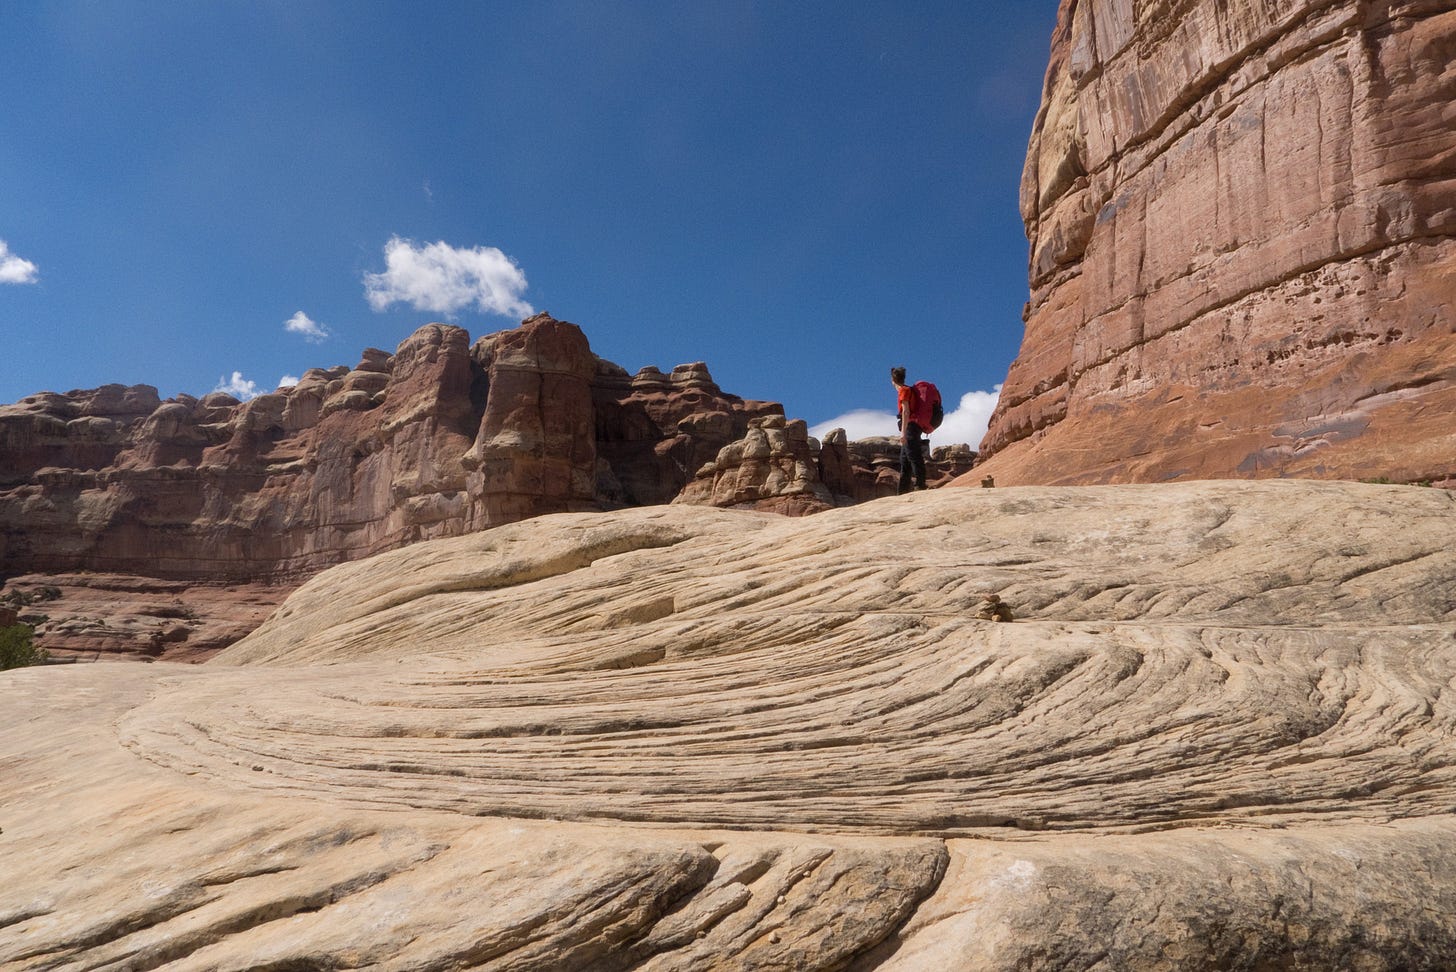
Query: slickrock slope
[439,439]
[1219,733]
[1242,217]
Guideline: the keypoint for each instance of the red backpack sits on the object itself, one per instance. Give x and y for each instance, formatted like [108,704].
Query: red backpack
[928,412]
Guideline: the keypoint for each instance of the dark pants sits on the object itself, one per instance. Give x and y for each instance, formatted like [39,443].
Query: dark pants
[912,460]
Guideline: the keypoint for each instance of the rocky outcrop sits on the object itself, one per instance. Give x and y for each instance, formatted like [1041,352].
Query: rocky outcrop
[87,616]
[1243,246]
[438,439]
[1214,734]
[866,469]
[773,469]
[534,452]
[779,468]
[655,431]
[343,464]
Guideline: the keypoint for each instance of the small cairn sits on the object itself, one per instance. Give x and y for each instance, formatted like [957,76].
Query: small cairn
[993,610]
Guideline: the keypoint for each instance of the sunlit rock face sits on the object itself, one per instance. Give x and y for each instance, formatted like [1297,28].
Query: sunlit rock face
[106,492]
[654,431]
[1242,217]
[534,452]
[1218,734]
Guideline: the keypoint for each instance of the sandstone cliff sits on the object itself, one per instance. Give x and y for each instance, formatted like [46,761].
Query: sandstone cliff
[1242,217]
[168,526]
[1218,735]
[438,439]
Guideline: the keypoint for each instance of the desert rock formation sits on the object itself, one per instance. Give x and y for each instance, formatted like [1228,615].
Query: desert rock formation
[87,616]
[655,431]
[1243,246]
[777,467]
[773,468]
[215,496]
[1218,734]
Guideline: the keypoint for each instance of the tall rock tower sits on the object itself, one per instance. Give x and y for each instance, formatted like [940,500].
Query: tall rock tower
[1242,217]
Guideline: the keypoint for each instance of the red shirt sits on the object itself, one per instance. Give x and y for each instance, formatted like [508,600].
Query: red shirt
[905,395]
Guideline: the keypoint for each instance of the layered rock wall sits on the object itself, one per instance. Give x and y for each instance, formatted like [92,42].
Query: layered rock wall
[438,439]
[1242,219]
[534,452]
[654,431]
[345,463]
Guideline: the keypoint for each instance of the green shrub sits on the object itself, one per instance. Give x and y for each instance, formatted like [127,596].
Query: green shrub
[17,650]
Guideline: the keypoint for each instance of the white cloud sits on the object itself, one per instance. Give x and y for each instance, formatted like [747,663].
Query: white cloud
[14,270]
[287,381]
[238,387]
[862,423]
[446,279]
[965,423]
[306,326]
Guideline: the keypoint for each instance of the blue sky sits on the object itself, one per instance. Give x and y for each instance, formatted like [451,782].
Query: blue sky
[800,194]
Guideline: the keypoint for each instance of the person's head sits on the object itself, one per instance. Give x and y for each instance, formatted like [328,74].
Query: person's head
[897,375]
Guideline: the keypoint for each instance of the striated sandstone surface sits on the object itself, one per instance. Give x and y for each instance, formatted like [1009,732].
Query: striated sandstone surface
[438,439]
[1218,735]
[1243,246]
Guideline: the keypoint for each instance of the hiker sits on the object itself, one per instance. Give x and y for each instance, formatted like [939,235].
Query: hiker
[912,446]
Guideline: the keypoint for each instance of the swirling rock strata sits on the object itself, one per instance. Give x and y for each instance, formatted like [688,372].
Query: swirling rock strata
[1243,246]
[1219,734]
